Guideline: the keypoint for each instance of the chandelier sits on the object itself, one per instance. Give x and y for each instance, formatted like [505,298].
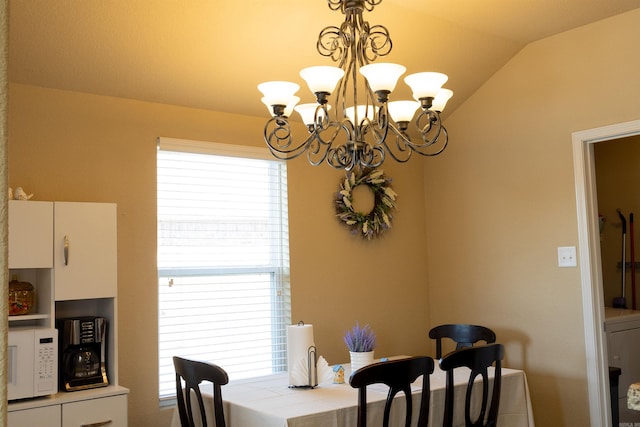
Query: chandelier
[353,123]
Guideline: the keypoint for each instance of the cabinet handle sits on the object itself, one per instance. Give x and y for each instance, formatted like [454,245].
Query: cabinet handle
[98,424]
[66,250]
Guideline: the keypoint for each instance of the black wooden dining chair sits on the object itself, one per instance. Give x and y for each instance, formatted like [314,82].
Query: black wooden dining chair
[478,359]
[463,335]
[193,373]
[398,375]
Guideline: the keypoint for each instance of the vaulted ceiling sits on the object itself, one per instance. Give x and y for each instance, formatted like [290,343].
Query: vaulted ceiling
[211,54]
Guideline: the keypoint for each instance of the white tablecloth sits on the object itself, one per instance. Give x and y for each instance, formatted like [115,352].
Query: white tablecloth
[269,402]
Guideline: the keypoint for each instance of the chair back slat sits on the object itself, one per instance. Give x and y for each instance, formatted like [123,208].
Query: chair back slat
[478,360]
[398,375]
[193,373]
[464,335]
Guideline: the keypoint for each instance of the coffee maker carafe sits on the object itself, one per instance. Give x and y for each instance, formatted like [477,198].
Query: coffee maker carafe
[83,363]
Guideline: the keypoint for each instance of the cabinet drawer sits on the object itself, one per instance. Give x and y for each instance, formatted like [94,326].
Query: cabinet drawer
[47,416]
[103,412]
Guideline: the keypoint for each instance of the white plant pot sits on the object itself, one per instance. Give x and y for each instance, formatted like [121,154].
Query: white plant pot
[360,359]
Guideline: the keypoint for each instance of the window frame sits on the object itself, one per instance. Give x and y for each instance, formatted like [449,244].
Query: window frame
[280,281]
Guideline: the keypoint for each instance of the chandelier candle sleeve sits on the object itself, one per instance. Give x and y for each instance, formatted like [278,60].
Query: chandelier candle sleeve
[308,113]
[322,79]
[279,93]
[382,77]
[288,107]
[441,99]
[403,111]
[426,85]
[363,128]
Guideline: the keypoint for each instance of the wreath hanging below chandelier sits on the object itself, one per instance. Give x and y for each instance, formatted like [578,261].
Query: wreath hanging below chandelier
[366,224]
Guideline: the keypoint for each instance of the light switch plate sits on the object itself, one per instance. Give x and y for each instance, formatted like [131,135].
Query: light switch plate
[567,256]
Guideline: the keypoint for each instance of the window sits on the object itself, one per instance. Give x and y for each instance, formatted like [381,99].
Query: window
[223,259]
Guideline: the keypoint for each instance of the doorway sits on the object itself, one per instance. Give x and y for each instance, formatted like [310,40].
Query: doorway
[618,179]
[590,263]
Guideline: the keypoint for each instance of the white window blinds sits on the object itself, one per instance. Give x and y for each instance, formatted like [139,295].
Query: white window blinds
[223,258]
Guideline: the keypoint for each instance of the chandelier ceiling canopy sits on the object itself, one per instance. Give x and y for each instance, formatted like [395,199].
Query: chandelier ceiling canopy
[353,123]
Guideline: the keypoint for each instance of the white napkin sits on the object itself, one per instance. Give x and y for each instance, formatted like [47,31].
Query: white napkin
[299,375]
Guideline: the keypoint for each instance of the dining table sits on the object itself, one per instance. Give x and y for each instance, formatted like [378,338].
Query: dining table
[268,401]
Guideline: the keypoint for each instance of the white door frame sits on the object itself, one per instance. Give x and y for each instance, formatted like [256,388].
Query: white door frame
[590,264]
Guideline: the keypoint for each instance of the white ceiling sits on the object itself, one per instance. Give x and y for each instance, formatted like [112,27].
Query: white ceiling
[211,54]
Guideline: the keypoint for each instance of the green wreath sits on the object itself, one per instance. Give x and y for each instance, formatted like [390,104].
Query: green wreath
[374,223]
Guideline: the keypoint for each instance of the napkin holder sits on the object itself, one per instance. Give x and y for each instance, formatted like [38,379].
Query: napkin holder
[312,369]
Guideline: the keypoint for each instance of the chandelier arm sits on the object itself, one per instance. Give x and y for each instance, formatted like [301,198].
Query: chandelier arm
[371,156]
[397,144]
[338,127]
[317,151]
[370,4]
[344,156]
[430,132]
[382,123]
[378,43]
[442,140]
[331,43]
[335,4]
[279,138]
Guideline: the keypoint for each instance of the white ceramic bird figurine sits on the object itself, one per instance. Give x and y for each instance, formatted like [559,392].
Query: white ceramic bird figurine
[20,194]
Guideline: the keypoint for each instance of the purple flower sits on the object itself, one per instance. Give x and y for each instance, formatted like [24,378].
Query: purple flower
[360,339]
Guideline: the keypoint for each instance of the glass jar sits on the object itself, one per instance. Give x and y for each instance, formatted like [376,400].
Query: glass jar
[21,298]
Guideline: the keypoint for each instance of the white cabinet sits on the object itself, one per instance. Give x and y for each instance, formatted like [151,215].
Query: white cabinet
[85,253]
[68,251]
[46,416]
[106,411]
[30,234]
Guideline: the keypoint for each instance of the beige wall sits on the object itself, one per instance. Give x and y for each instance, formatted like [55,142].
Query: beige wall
[78,147]
[618,185]
[502,199]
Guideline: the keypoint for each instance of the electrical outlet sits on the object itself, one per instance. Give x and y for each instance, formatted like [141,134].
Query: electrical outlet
[567,256]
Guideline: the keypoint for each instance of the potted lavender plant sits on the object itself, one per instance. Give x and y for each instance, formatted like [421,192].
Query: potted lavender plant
[361,341]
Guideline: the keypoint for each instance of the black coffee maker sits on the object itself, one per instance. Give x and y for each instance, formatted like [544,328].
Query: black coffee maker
[83,353]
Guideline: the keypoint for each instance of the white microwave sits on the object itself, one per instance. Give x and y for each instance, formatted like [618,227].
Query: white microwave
[32,363]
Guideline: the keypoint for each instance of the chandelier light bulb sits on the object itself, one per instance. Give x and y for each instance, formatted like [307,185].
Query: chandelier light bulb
[382,76]
[425,85]
[370,111]
[403,111]
[308,112]
[440,101]
[322,79]
[278,92]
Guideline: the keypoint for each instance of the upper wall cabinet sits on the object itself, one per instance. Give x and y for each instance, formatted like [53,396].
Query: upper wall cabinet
[30,234]
[85,250]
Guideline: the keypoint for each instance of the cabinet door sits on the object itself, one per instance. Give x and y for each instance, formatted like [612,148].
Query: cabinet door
[46,416]
[106,411]
[85,252]
[30,234]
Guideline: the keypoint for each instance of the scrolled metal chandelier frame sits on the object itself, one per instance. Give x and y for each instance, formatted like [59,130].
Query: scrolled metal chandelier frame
[361,127]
